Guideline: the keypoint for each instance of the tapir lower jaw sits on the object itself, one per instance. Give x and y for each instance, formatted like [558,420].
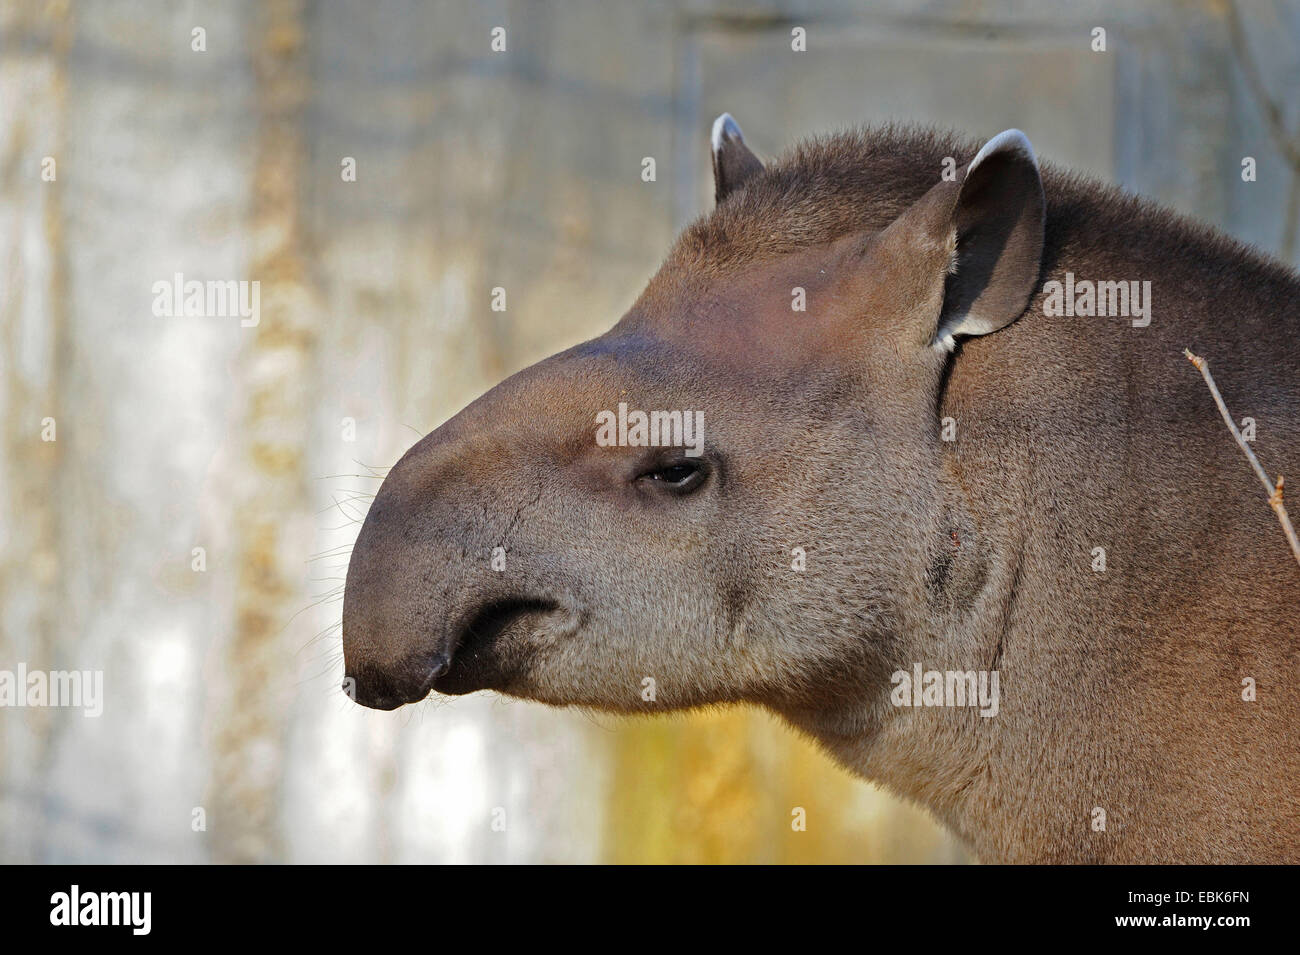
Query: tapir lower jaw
[473,653]
[482,659]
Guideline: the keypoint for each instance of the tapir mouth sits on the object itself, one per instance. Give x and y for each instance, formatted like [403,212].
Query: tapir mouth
[473,658]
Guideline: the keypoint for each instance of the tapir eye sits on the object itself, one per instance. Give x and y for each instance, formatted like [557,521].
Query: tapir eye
[680,477]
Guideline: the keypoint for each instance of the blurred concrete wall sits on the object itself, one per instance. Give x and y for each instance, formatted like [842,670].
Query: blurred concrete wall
[260,445]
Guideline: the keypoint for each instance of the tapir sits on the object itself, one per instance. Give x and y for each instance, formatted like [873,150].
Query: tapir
[907,461]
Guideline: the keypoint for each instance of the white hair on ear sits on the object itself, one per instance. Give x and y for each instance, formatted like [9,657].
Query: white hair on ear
[724,128]
[1009,140]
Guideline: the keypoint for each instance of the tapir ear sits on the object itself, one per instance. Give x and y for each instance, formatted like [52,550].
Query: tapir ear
[733,163]
[988,227]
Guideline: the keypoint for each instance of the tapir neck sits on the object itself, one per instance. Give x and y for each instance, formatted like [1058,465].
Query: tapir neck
[1131,583]
[963,762]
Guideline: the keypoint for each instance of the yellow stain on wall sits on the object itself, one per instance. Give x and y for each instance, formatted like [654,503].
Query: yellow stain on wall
[723,786]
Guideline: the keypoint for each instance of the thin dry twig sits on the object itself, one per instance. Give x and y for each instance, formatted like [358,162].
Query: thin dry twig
[1274,491]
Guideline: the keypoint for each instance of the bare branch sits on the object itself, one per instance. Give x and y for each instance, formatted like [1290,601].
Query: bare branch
[1274,491]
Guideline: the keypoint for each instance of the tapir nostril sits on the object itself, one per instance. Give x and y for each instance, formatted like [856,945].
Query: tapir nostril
[388,687]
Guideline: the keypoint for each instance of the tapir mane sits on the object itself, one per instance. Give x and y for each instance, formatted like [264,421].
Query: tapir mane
[821,189]
[861,180]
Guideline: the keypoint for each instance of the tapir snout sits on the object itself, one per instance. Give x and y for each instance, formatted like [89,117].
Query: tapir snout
[414,598]
[395,647]
[427,600]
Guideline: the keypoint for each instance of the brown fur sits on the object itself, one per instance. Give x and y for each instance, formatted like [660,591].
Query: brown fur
[1120,690]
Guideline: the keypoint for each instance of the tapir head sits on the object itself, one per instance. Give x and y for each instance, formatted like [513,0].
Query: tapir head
[737,493]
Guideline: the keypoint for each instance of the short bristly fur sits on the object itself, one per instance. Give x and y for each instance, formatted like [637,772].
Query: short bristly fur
[1121,683]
